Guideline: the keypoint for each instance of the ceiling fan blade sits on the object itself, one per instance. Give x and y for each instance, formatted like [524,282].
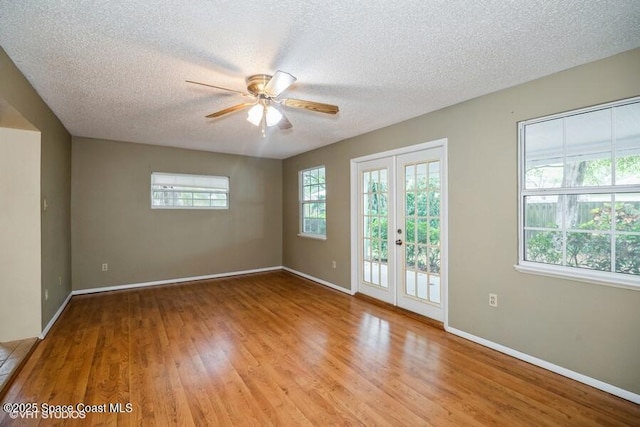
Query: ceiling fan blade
[278,83]
[310,105]
[284,123]
[229,110]
[218,87]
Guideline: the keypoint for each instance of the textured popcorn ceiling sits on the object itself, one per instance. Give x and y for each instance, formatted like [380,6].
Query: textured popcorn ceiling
[116,70]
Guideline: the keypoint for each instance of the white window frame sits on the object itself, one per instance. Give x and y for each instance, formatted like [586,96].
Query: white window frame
[607,278]
[181,183]
[302,202]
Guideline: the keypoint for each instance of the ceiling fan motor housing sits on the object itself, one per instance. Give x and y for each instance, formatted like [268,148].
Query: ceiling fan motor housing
[257,83]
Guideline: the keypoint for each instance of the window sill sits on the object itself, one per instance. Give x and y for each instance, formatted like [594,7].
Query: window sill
[588,276]
[312,236]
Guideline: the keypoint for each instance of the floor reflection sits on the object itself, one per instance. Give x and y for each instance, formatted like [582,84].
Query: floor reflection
[374,337]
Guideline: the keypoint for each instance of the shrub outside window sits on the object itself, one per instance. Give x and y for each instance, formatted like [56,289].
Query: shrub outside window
[579,194]
[184,191]
[313,206]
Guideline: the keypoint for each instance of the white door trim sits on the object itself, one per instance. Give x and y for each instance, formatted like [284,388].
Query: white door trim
[445,217]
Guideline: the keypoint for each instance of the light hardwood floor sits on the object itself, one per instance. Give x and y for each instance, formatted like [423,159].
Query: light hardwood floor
[276,349]
[12,355]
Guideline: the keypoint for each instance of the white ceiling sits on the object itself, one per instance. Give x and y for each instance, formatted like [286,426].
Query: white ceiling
[117,70]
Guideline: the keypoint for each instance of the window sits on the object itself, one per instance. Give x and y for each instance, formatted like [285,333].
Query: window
[182,191]
[313,205]
[580,194]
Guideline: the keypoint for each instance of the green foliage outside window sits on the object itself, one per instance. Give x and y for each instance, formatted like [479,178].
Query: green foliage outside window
[590,247]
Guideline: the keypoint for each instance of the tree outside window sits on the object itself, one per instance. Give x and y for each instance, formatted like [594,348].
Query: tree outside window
[580,189]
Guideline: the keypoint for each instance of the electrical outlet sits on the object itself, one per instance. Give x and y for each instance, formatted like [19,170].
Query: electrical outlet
[493,300]
[333,264]
[105,267]
[46,294]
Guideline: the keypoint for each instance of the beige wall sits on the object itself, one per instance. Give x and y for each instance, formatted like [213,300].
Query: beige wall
[20,309]
[591,329]
[55,184]
[112,221]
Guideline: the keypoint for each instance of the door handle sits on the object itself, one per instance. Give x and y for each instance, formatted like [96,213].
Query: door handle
[399,242]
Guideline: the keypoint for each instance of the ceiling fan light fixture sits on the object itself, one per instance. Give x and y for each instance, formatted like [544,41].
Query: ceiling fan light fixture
[273,116]
[254,116]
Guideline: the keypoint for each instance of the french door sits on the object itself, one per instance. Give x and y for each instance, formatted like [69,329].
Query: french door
[400,230]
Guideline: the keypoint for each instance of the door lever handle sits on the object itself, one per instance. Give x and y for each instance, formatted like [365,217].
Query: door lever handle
[399,242]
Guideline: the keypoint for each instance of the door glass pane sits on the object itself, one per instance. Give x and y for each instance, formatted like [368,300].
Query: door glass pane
[410,229]
[410,177]
[422,227]
[434,232]
[367,271]
[410,283]
[434,189]
[434,289]
[410,204]
[375,273]
[422,291]
[381,200]
[384,275]
[375,227]
[366,250]
[410,257]
[434,259]
[422,231]
[421,258]
[421,176]
[366,177]
[366,227]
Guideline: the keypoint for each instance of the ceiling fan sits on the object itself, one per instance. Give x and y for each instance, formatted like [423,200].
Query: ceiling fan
[266,107]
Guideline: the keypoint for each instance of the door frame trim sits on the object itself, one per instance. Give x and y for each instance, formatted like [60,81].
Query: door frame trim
[353,163]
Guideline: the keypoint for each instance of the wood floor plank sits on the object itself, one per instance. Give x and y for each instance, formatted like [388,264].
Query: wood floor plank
[276,349]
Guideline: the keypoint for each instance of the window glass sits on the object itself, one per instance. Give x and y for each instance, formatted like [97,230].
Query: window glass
[580,191]
[184,191]
[313,195]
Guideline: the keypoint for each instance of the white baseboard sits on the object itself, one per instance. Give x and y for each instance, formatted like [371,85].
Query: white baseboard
[171,281]
[46,329]
[600,385]
[320,281]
